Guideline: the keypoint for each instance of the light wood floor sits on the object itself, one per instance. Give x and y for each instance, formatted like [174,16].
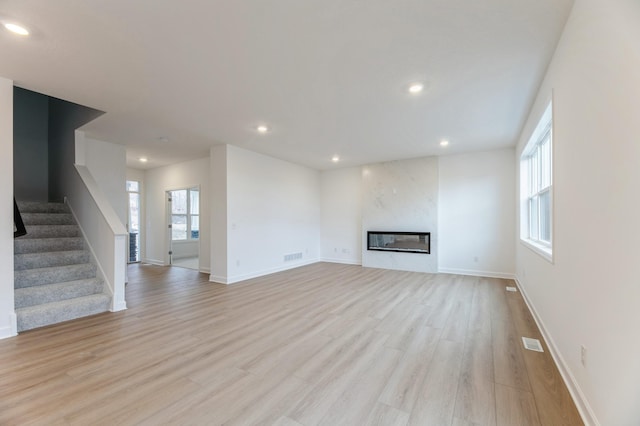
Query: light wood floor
[323,344]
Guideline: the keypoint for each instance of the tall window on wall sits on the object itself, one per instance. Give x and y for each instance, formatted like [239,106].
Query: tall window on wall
[536,187]
[133,191]
[185,214]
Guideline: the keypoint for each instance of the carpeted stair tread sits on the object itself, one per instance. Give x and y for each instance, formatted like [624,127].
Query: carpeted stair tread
[55,274]
[26,261]
[54,280]
[47,219]
[40,245]
[52,231]
[51,313]
[42,207]
[48,293]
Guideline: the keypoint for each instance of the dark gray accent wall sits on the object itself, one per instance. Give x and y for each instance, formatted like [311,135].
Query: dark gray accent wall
[64,118]
[44,144]
[30,145]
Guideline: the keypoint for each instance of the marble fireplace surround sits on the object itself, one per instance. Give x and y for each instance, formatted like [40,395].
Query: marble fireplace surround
[401,196]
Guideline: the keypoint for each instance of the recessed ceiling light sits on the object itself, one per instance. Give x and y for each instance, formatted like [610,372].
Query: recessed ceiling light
[335,158]
[143,159]
[444,143]
[17,29]
[262,128]
[416,88]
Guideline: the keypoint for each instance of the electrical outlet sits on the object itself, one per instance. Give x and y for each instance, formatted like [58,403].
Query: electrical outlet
[583,355]
[237,263]
[475,259]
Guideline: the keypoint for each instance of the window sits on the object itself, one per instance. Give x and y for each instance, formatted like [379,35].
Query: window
[185,214]
[133,191]
[536,187]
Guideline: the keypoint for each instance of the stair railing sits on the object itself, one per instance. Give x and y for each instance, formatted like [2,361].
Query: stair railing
[18,225]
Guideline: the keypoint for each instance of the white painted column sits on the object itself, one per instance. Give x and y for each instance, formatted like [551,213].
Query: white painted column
[7,311]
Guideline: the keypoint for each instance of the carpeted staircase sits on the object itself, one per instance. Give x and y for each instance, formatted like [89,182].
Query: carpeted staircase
[54,280]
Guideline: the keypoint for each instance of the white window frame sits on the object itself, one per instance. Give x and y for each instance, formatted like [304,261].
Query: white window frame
[188,215]
[532,187]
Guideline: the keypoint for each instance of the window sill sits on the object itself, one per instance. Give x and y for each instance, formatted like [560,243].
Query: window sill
[545,252]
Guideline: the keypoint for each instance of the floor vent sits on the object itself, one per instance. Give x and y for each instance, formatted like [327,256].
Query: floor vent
[292,256]
[532,344]
[513,289]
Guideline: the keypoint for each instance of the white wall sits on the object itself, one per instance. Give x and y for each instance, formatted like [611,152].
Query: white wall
[273,209]
[341,215]
[93,204]
[219,221]
[176,176]
[401,196]
[7,311]
[107,163]
[476,213]
[590,294]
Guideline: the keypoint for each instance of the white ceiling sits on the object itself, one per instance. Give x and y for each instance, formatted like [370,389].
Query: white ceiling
[329,77]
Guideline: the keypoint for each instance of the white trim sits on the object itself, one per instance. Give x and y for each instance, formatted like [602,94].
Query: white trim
[99,272]
[12,329]
[218,279]
[341,261]
[539,249]
[153,262]
[205,270]
[120,305]
[243,277]
[477,273]
[545,122]
[582,404]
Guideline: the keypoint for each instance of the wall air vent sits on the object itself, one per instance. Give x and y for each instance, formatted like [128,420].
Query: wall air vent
[512,289]
[292,256]
[532,344]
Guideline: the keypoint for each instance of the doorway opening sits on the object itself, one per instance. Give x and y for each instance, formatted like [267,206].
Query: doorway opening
[183,208]
[133,225]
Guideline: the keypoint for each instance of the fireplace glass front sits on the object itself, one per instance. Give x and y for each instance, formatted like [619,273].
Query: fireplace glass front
[407,242]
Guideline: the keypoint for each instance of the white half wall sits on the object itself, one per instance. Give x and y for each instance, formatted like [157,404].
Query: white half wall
[7,312]
[107,163]
[187,174]
[341,215]
[401,196]
[589,296]
[273,210]
[477,214]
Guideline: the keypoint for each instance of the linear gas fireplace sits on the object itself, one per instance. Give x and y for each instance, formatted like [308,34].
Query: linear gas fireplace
[407,242]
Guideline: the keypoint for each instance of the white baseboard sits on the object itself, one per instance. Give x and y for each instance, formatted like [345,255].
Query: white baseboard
[342,261]
[119,306]
[218,279]
[10,330]
[248,276]
[161,263]
[583,406]
[477,273]
[153,262]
